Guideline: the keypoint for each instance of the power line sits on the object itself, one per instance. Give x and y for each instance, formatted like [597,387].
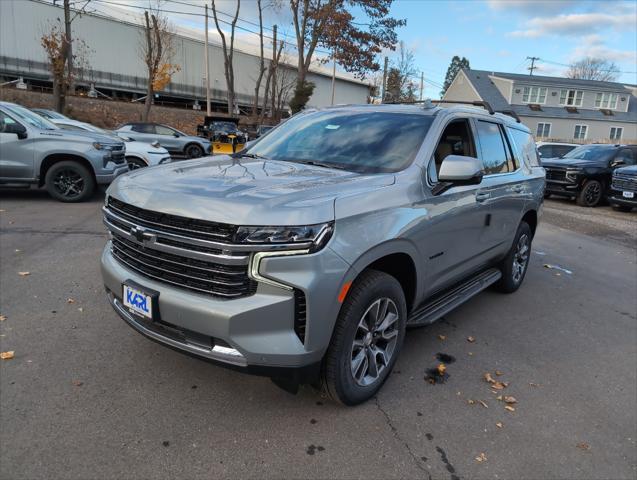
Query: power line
[565,65]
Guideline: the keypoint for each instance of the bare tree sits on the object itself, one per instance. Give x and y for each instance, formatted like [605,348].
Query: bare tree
[228,52]
[56,45]
[156,52]
[590,68]
[262,67]
[406,67]
[270,80]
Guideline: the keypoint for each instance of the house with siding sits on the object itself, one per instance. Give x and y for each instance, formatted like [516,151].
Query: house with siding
[555,108]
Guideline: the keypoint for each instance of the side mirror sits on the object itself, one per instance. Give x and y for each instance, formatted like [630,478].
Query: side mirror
[176,135]
[617,162]
[460,170]
[17,128]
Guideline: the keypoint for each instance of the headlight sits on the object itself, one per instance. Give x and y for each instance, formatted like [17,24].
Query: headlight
[98,146]
[316,235]
[572,173]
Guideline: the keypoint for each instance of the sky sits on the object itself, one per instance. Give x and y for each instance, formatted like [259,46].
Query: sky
[495,35]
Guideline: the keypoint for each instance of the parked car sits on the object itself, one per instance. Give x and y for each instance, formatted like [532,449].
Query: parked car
[554,149]
[50,114]
[138,154]
[176,142]
[585,172]
[34,151]
[306,257]
[623,189]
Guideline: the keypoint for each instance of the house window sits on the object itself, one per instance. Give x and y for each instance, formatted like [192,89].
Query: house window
[606,100]
[571,98]
[543,130]
[616,133]
[534,95]
[580,132]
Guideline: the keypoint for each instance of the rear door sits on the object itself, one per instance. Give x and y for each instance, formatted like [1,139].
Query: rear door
[16,155]
[166,136]
[503,191]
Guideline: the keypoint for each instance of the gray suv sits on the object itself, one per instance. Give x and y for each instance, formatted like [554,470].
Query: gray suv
[176,142]
[306,256]
[34,151]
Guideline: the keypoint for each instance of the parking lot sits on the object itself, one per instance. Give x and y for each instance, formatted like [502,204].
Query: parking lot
[87,397]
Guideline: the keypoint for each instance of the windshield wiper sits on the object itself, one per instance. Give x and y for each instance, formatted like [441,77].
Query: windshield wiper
[248,155]
[335,166]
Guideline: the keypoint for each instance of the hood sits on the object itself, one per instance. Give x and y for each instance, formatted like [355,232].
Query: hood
[243,191]
[82,136]
[573,162]
[629,170]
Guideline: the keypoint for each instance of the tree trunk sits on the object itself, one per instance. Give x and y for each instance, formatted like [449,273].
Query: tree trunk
[69,45]
[58,96]
[148,102]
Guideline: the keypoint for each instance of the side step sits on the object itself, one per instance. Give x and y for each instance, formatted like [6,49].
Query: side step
[443,304]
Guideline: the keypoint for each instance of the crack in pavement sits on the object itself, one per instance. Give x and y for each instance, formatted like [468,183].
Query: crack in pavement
[397,436]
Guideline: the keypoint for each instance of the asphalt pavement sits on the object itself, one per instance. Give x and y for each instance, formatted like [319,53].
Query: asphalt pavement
[86,397]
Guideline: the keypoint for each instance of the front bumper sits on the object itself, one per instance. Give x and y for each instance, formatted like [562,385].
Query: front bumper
[562,188]
[254,333]
[616,198]
[107,175]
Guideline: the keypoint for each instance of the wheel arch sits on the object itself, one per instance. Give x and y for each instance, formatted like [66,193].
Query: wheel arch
[530,217]
[136,157]
[54,158]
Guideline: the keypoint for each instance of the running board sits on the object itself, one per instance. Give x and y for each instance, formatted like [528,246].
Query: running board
[441,305]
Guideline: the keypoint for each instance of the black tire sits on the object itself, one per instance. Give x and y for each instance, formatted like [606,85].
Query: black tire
[135,163]
[512,276]
[622,208]
[193,151]
[337,378]
[591,195]
[69,181]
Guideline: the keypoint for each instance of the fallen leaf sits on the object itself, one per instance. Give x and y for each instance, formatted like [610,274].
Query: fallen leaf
[499,373]
[488,378]
[3,318]
[583,446]
[80,309]
[70,300]
[510,399]
[7,355]
[499,397]
[77,383]
[471,354]
[24,274]
[481,458]
[441,368]
[470,402]
[483,404]
[442,337]
[509,408]
[498,385]
[534,384]
[471,339]
[499,424]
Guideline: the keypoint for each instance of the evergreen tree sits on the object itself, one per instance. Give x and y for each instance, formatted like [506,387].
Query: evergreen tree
[456,65]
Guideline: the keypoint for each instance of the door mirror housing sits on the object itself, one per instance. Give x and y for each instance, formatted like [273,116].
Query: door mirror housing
[176,135]
[617,162]
[17,128]
[461,170]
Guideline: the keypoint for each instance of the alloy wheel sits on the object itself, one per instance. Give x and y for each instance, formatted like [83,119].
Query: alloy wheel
[374,341]
[520,258]
[592,193]
[194,151]
[68,183]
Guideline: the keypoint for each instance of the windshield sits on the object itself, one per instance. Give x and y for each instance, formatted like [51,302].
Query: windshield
[31,118]
[361,141]
[225,126]
[588,152]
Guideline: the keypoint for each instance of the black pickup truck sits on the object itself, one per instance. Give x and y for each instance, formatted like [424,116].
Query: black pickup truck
[623,189]
[585,173]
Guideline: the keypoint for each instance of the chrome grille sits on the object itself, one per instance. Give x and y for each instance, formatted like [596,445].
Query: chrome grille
[171,249]
[624,182]
[558,174]
[173,223]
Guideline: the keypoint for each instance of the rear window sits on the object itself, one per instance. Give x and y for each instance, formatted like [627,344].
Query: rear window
[524,146]
[360,141]
[143,128]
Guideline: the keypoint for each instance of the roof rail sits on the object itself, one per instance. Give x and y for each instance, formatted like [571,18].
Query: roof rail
[475,103]
[511,113]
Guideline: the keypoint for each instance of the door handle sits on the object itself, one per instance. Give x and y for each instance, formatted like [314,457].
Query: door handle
[482,196]
[517,188]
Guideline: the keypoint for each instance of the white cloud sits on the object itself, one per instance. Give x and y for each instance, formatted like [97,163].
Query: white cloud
[574,24]
[532,6]
[594,46]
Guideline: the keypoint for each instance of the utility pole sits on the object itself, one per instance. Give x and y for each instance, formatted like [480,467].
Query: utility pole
[422,84]
[274,66]
[333,74]
[69,43]
[207,68]
[532,67]
[382,98]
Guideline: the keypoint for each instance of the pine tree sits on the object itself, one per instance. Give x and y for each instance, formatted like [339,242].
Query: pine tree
[456,65]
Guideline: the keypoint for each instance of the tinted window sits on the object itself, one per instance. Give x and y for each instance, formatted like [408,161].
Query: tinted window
[5,120]
[494,156]
[626,155]
[355,140]
[31,118]
[524,146]
[546,151]
[561,150]
[143,128]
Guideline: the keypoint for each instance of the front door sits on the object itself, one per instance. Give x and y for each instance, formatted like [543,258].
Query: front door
[16,155]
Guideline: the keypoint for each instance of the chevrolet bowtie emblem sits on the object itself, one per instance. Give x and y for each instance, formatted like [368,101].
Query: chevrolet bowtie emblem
[138,233]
